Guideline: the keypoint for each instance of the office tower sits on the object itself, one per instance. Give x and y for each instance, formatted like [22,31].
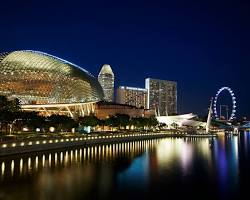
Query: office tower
[132,96]
[162,96]
[106,79]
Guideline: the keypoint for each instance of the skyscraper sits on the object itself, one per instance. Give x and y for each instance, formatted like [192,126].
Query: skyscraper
[132,96]
[162,96]
[106,79]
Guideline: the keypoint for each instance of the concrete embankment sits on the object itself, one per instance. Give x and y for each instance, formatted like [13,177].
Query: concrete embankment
[11,148]
[27,146]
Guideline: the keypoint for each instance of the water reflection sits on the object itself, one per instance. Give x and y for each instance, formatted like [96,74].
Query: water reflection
[225,155]
[105,170]
[21,165]
[2,168]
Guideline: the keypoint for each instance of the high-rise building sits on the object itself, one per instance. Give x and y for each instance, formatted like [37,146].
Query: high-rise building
[106,79]
[132,96]
[162,96]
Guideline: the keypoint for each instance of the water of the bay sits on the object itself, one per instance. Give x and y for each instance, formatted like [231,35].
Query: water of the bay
[170,167]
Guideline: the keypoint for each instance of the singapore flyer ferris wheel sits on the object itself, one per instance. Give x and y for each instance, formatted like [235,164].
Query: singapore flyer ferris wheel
[232,115]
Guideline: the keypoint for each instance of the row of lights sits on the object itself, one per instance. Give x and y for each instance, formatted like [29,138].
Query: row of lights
[72,139]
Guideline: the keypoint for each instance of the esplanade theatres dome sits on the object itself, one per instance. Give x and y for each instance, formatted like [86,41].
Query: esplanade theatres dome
[39,78]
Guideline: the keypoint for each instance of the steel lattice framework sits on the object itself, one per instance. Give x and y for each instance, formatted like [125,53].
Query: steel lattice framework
[232,116]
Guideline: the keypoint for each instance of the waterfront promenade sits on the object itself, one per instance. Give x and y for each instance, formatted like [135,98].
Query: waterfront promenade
[49,143]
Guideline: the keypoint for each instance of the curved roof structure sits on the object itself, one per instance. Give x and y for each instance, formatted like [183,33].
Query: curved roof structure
[38,78]
[181,120]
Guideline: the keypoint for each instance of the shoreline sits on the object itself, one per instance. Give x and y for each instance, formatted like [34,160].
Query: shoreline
[29,146]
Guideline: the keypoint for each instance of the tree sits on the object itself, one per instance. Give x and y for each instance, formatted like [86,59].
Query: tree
[152,122]
[174,125]
[6,119]
[133,122]
[102,123]
[61,122]
[139,122]
[122,120]
[33,120]
[162,125]
[9,110]
[112,121]
[3,103]
[9,105]
[14,105]
[91,121]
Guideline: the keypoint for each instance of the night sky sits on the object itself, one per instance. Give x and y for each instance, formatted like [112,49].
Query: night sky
[203,45]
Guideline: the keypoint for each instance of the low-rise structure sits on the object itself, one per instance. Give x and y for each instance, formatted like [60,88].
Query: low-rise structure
[104,110]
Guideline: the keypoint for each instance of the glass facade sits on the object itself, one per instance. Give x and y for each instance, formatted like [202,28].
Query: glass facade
[39,78]
[162,96]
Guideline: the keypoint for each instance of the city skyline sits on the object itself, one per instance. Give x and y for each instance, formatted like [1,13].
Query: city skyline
[134,99]
[203,46]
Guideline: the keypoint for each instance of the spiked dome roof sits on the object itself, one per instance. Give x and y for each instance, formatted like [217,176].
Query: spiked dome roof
[39,78]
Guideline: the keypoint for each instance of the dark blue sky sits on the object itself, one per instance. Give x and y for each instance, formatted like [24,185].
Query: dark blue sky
[203,45]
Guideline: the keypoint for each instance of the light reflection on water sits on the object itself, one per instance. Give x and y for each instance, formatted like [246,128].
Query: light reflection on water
[22,164]
[106,170]
[2,169]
